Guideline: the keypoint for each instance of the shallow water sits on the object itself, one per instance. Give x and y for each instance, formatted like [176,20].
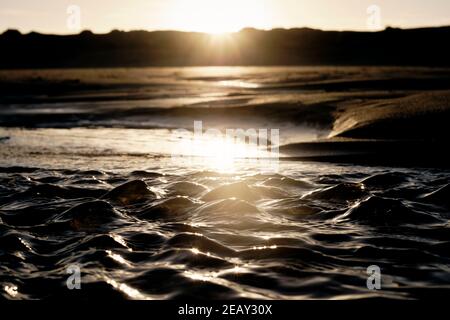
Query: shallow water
[141,224]
[309,233]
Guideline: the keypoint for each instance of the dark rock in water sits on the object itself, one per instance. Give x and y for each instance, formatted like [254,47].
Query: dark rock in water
[237,190]
[382,211]
[130,193]
[90,215]
[438,197]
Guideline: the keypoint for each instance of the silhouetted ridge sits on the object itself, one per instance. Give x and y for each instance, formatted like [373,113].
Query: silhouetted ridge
[425,46]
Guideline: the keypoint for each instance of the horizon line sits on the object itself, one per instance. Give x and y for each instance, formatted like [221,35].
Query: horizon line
[232,32]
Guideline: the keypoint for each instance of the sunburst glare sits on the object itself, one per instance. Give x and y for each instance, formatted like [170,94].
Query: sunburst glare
[217,16]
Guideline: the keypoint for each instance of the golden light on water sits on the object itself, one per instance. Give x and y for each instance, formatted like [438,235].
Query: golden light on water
[129,291]
[118,258]
[216,278]
[120,240]
[273,247]
[239,84]
[223,153]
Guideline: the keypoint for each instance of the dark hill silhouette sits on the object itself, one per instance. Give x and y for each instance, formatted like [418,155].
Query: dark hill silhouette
[426,46]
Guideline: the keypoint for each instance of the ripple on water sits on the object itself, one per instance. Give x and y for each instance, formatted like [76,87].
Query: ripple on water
[149,235]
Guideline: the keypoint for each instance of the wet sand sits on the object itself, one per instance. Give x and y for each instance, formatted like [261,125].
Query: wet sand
[386,115]
[87,179]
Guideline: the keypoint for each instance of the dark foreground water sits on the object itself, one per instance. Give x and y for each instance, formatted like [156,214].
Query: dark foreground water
[87,181]
[310,233]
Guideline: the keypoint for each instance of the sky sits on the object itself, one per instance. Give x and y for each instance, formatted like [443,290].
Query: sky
[217,16]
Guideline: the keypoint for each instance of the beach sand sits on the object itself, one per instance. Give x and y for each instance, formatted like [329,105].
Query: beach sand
[88,179]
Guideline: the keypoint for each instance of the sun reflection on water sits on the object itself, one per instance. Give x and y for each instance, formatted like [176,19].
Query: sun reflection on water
[129,291]
[239,84]
[223,154]
[118,258]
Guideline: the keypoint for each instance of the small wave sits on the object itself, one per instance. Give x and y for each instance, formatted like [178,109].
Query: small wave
[200,243]
[286,182]
[342,192]
[381,211]
[308,234]
[169,208]
[130,193]
[188,189]
[90,215]
[231,207]
[384,180]
[440,196]
[54,191]
[238,190]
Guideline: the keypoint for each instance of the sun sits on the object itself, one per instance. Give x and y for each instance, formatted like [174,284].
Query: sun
[217,16]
